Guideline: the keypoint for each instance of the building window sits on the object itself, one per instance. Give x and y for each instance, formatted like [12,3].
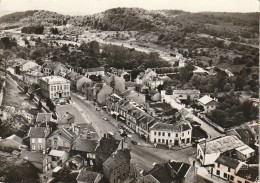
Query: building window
[163,134]
[228,169]
[218,172]
[170,140]
[39,140]
[232,178]
[124,174]
[176,134]
[159,133]
[169,134]
[225,175]
[154,133]
[154,140]
[159,140]
[218,165]
[188,132]
[40,147]
[33,147]
[182,134]
[162,140]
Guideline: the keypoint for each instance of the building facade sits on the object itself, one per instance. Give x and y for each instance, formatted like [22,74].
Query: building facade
[55,87]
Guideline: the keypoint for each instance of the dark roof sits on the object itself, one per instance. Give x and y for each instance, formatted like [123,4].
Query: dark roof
[87,176]
[248,173]
[107,146]
[118,159]
[32,156]
[43,116]
[166,127]
[67,119]
[85,145]
[163,172]
[65,134]
[95,69]
[37,132]
[243,133]
[227,161]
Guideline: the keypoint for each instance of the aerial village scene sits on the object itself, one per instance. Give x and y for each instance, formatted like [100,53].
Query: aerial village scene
[128,94]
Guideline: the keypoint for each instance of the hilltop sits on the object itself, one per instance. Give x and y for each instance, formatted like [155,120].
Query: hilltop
[164,23]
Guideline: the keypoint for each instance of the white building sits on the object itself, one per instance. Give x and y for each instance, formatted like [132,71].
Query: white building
[208,152]
[55,87]
[185,94]
[95,71]
[171,134]
[208,103]
[32,77]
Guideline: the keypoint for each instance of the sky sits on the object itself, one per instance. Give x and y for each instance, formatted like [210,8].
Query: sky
[81,7]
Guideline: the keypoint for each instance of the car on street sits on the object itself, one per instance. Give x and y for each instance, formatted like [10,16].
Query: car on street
[134,142]
[104,118]
[98,109]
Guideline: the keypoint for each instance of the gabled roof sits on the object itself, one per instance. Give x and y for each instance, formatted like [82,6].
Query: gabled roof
[32,156]
[243,133]
[53,65]
[170,172]
[57,153]
[118,159]
[65,134]
[67,118]
[15,138]
[222,144]
[227,161]
[107,146]
[186,92]
[147,178]
[37,132]
[85,145]
[166,127]
[43,117]
[206,99]
[87,176]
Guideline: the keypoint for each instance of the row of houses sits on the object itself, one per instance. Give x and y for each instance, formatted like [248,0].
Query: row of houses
[152,129]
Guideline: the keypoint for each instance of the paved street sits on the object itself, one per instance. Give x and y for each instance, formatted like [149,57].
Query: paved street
[142,157]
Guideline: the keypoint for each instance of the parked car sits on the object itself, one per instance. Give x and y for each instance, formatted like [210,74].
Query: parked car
[98,109]
[104,118]
[133,142]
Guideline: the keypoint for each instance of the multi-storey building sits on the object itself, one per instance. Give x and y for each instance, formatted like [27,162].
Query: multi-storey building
[171,134]
[55,87]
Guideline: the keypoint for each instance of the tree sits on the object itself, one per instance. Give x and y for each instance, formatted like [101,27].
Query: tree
[186,72]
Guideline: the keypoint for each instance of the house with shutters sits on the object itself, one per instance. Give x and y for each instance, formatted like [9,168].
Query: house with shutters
[38,136]
[117,167]
[178,134]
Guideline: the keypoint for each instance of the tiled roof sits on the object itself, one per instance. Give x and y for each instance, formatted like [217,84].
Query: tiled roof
[248,173]
[15,138]
[57,153]
[37,132]
[43,116]
[65,134]
[166,127]
[227,161]
[95,69]
[87,176]
[85,145]
[67,118]
[243,133]
[147,178]
[32,156]
[206,99]
[163,172]
[222,144]
[118,159]
[107,146]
